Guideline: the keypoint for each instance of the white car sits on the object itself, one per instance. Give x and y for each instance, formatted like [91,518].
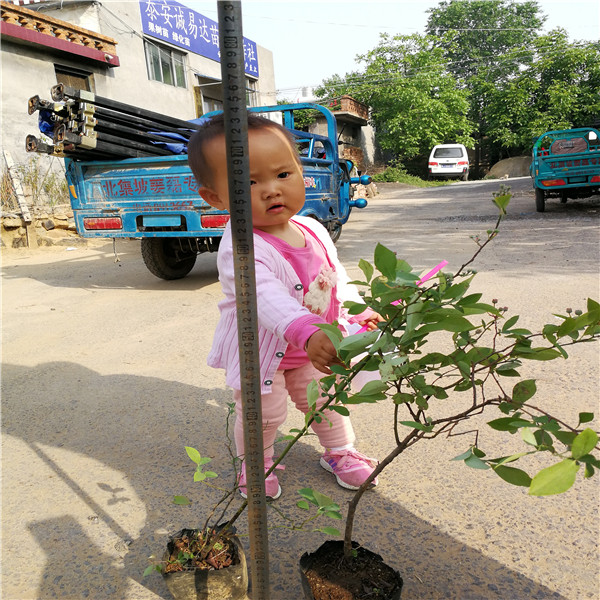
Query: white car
[450,161]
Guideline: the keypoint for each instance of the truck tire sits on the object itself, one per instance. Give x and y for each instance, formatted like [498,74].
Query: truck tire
[164,258]
[540,200]
[335,230]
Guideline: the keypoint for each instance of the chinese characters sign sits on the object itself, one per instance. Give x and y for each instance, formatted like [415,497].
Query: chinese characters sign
[181,26]
[169,186]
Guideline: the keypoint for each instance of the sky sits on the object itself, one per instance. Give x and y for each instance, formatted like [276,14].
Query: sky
[315,39]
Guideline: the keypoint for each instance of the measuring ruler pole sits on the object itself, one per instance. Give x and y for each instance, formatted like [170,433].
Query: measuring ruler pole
[240,208]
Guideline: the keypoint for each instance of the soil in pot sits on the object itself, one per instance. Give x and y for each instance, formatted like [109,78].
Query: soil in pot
[326,575]
[222,575]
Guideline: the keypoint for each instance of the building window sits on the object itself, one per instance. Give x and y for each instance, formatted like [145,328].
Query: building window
[211,104]
[75,78]
[165,65]
[251,92]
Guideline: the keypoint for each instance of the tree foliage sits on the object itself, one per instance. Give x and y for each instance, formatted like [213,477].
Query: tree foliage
[557,90]
[415,101]
[479,37]
[483,73]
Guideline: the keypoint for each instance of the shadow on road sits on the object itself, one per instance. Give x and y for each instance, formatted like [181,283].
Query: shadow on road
[90,465]
[99,268]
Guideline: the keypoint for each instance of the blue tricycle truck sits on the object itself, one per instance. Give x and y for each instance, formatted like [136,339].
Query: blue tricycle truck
[566,164]
[155,198]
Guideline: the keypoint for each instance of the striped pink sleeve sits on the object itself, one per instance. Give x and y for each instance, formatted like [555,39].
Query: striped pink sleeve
[301,329]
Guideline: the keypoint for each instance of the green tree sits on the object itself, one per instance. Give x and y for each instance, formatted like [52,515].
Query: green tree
[479,37]
[415,102]
[486,43]
[558,90]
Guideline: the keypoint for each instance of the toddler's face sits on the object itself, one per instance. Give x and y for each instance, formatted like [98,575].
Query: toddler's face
[277,182]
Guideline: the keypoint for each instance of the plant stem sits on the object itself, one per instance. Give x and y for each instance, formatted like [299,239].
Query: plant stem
[412,437]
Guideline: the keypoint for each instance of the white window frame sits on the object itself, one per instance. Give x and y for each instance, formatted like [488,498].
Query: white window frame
[162,63]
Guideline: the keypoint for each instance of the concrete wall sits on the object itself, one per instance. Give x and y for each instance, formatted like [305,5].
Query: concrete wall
[27,71]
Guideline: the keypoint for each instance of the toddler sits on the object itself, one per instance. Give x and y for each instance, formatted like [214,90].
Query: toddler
[299,283]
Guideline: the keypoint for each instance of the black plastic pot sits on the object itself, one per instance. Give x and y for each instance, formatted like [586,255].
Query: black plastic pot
[230,583]
[387,584]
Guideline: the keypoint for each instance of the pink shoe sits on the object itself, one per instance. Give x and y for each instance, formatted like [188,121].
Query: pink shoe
[350,467]
[272,487]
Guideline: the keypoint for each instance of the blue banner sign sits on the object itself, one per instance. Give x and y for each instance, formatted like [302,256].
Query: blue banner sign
[172,22]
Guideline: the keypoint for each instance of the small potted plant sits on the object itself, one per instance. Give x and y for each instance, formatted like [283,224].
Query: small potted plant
[441,357]
[207,561]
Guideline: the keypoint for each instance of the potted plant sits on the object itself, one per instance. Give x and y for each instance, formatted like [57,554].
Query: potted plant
[208,562]
[442,356]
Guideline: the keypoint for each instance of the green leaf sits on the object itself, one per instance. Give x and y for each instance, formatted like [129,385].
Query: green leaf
[502,202]
[152,568]
[464,455]
[303,504]
[402,398]
[514,476]
[329,531]
[338,370]
[508,324]
[585,417]
[524,390]
[508,459]
[373,388]
[566,437]
[453,324]
[340,410]
[508,424]
[181,500]
[555,479]
[195,455]
[476,463]
[366,268]
[385,261]
[312,393]
[357,344]
[360,399]
[415,425]
[333,514]
[333,333]
[584,443]
[589,459]
[528,436]
[354,308]
[322,499]
[542,354]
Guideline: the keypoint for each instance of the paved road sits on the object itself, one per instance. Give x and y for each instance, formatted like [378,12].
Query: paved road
[104,382]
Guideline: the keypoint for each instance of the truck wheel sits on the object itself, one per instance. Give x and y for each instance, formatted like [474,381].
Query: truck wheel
[165,259]
[540,200]
[563,197]
[335,230]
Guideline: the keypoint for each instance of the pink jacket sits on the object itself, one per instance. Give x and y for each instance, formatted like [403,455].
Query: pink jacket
[279,299]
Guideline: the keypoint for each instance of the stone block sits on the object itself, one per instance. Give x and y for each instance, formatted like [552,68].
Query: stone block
[12,223]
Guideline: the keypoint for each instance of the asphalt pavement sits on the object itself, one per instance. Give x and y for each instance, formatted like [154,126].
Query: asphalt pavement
[104,381]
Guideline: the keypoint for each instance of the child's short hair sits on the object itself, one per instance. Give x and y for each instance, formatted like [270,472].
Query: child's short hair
[215,127]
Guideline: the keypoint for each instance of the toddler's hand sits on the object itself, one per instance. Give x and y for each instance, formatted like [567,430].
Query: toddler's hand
[321,352]
[371,323]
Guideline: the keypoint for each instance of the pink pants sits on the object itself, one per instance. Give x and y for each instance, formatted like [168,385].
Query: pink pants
[333,432]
